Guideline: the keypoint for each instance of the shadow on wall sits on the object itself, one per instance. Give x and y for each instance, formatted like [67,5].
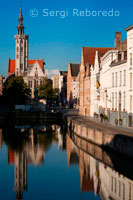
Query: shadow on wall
[122,144]
[72,101]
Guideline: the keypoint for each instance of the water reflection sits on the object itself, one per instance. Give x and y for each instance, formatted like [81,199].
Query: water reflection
[97,171]
[28,146]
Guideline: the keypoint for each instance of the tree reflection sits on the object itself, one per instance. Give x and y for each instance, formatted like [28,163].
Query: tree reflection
[28,146]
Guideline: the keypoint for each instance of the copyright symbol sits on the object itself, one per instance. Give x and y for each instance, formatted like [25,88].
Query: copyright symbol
[34,12]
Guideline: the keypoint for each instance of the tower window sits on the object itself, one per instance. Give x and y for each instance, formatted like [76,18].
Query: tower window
[21,66]
[131,60]
[40,82]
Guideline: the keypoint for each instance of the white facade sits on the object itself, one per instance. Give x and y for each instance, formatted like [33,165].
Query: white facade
[100,96]
[114,94]
[130,69]
[33,76]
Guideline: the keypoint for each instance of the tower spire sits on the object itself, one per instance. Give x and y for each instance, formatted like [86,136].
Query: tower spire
[21,46]
[20,25]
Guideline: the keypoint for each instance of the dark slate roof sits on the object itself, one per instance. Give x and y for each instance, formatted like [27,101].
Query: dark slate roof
[63,72]
[75,69]
[128,28]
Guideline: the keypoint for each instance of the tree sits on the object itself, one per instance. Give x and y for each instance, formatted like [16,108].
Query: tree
[16,91]
[56,93]
[46,90]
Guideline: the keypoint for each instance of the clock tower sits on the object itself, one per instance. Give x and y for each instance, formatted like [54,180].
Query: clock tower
[21,48]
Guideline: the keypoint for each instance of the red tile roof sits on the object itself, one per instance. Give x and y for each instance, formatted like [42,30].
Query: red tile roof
[10,157]
[87,184]
[12,63]
[40,62]
[90,52]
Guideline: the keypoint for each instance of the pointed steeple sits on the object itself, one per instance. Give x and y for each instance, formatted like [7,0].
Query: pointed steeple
[21,47]
[20,25]
[20,18]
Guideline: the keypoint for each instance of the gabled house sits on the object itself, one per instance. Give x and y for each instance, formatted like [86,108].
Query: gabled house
[90,57]
[73,84]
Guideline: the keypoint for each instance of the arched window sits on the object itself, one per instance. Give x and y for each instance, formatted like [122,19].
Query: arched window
[40,82]
[36,74]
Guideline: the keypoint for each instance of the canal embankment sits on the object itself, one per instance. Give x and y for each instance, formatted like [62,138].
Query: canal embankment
[112,138]
[28,117]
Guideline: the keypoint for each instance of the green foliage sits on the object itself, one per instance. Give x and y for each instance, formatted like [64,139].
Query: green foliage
[16,91]
[46,90]
[105,117]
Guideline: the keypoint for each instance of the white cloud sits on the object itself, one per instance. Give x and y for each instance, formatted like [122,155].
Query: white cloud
[52,72]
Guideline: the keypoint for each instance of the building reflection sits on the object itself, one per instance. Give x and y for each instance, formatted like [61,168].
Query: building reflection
[0,138]
[95,175]
[20,174]
[97,169]
[32,153]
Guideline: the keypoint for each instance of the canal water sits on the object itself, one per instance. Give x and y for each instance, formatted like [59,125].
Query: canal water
[45,162]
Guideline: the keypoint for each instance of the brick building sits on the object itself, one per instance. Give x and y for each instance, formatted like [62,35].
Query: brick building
[89,58]
[73,84]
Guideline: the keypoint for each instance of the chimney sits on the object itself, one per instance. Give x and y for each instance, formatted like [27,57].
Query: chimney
[122,56]
[117,40]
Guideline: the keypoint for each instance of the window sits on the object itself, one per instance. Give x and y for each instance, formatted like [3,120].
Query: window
[130,80]
[21,66]
[34,83]
[40,82]
[115,79]
[131,60]
[123,191]
[130,191]
[30,84]
[124,77]
[116,100]
[112,79]
[122,56]
[119,188]
[21,49]
[37,84]
[112,183]
[36,74]
[112,100]
[130,103]
[115,185]
[120,78]
[124,100]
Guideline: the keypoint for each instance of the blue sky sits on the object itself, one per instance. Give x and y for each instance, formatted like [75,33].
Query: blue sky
[60,40]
